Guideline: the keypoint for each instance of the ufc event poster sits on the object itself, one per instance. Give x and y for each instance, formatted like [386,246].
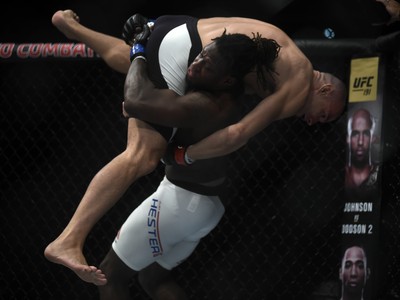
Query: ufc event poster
[361,209]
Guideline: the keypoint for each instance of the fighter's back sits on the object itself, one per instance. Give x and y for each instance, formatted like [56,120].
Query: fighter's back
[291,59]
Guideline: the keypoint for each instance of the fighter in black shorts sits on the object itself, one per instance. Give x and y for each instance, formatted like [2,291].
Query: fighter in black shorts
[166,228]
[174,38]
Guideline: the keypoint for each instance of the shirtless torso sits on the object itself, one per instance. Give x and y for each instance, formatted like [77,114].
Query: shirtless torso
[294,84]
[294,79]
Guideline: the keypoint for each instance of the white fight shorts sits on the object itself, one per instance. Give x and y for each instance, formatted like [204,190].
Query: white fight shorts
[166,227]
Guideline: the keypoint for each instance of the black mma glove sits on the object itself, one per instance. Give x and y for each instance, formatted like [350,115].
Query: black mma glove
[176,156]
[137,29]
[138,50]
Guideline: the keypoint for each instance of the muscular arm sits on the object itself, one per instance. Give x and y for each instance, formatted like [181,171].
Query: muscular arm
[284,103]
[162,106]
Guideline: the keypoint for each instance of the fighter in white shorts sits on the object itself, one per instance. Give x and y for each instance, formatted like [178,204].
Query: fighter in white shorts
[166,228]
[169,224]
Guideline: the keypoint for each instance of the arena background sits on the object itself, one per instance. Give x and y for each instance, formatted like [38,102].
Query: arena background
[280,236]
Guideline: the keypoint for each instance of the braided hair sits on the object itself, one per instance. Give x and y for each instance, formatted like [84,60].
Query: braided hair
[242,53]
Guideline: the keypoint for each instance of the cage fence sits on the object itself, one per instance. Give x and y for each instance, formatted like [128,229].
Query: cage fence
[279,238]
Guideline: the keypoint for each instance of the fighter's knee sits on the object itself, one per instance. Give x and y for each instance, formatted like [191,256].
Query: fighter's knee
[142,163]
[107,271]
[146,282]
[152,278]
[115,271]
[145,159]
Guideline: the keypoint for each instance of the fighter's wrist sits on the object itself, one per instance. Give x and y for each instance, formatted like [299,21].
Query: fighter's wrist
[137,50]
[188,159]
[140,57]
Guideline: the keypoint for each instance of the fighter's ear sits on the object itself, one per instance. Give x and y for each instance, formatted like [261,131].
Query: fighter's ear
[326,89]
[349,123]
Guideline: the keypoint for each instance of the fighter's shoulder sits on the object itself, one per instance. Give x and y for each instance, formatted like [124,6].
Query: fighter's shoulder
[293,65]
[236,24]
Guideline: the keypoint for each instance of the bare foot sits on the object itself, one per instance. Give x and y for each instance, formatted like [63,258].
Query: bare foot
[73,259]
[65,20]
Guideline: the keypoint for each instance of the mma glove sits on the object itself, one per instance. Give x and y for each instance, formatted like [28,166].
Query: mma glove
[177,156]
[138,50]
[137,29]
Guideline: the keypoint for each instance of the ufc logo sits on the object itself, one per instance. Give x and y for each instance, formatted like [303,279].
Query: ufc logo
[361,82]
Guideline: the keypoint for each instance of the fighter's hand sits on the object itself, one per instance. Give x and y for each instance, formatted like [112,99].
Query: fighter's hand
[137,29]
[393,9]
[176,155]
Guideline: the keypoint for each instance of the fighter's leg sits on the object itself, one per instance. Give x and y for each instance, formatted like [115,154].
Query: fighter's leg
[144,149]
[119,276]
[114,51]
[159,284]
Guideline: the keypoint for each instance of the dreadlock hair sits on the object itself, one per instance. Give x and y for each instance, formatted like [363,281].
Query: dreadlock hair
[242,54]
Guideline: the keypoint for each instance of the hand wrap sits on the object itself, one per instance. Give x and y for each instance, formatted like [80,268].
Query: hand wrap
[177,156]
[138,50]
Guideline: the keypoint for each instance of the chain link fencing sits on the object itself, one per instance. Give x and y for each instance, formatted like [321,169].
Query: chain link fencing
[279,238]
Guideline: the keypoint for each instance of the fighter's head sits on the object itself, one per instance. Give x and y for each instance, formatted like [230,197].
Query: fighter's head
[360,135]
[327,99]
[223,63]
[354,270]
